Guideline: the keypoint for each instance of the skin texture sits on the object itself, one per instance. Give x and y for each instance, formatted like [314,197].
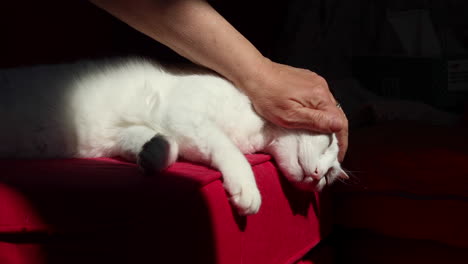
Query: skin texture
[286,96]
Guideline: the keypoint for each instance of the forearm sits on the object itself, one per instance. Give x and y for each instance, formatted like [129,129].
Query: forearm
[193,29]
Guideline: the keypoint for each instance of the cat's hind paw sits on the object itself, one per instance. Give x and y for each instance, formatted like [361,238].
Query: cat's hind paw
[247,201]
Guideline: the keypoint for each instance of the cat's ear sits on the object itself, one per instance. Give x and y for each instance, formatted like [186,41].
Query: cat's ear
[343,175]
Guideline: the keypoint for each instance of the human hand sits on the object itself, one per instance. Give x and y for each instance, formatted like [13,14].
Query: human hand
[296,98]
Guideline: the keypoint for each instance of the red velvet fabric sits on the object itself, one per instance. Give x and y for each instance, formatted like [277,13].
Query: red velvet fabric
[104,211]
[410,182]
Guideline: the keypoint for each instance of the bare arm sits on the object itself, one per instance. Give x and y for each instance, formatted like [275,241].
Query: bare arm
[286,96]
[193,29]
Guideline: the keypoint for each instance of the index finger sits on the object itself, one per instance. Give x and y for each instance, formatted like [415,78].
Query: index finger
[317,120]
[342,137]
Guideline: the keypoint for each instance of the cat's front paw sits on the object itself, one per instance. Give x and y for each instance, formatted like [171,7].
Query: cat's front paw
[247,201]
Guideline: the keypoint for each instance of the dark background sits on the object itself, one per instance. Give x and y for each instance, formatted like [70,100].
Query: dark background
[338,39]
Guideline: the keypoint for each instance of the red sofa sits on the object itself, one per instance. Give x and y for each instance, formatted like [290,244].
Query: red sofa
[105,211]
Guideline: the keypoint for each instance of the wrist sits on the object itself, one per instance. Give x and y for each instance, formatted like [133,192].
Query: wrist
[253,76]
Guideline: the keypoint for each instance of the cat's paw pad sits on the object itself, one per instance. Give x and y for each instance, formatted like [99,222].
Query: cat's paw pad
[154,155]
[247,201]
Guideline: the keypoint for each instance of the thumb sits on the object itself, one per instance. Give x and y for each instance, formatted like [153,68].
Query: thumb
[318,120]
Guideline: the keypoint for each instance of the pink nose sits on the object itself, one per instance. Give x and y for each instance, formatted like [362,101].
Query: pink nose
[315,175]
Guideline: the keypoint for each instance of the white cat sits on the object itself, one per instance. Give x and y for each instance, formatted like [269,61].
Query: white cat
[138,110]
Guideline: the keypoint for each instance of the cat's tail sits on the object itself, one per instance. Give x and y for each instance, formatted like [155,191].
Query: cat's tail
[158,154]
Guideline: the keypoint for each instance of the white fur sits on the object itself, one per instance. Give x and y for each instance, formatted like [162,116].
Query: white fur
[113,107]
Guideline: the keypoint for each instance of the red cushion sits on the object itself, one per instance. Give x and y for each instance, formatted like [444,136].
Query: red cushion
[95,210]
[410,181]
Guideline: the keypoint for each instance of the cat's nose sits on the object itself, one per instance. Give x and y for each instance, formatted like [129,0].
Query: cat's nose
[316,175]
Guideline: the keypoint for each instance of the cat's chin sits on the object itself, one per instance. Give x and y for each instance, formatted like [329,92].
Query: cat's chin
[310,185]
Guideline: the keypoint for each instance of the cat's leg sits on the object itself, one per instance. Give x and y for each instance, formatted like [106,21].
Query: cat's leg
[151,150]
[238,178]
[206,143]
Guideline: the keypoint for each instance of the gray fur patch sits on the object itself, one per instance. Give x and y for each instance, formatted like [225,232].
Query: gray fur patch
[154,155]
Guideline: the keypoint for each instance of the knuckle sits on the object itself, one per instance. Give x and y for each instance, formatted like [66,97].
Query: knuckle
[321,79]
[319,122]
[322,93]
[312,75]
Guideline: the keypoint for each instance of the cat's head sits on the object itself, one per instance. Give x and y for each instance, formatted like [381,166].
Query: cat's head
[308,160]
